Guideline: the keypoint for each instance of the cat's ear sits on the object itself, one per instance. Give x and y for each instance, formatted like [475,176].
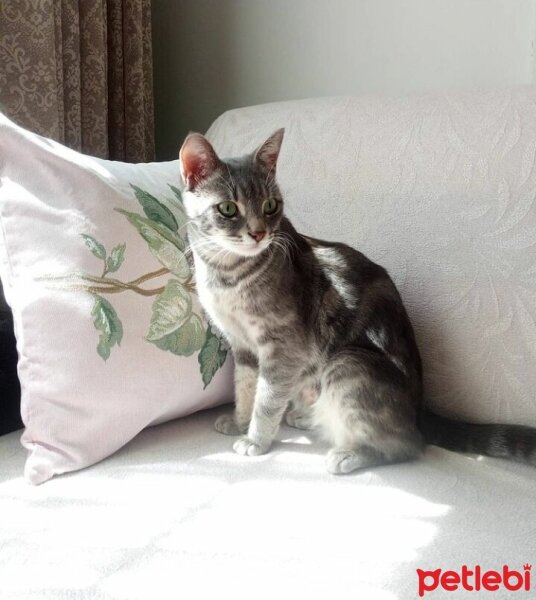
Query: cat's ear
[198,160]
[267,154]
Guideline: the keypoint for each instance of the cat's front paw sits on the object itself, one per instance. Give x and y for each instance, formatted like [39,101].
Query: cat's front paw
[227,425]
[246,447]
[340,462]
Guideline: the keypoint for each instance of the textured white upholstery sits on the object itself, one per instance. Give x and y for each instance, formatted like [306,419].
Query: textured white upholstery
[440,190]
[177,514]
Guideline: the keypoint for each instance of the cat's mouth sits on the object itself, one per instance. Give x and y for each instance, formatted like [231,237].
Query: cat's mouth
[252,248]
[249,247]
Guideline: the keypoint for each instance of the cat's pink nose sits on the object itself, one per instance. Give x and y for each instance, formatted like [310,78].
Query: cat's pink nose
[257,235]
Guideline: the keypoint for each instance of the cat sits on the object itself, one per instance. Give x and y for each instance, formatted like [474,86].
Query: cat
[318,332]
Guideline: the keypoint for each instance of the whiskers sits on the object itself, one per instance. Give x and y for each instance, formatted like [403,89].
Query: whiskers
[220,257]
[283,242]
[199,245]
[217,255]
[224,251]
[185,224]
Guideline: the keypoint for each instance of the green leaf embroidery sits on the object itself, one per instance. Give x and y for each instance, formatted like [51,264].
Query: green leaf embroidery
[166,252]
[108,325]
[96,247]
[169,256]
[173,326]
[177,192]
[115,260]
[186,340]
[171,310]
[212,355]
[179,206]
[155,210]
[141,222]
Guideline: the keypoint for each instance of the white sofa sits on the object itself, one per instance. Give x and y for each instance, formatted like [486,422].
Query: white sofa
[441,190]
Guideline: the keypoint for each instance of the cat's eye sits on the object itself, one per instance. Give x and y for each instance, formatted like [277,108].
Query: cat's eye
[269,206]
[227,209]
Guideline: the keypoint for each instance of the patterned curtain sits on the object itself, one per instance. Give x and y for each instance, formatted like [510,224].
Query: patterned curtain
[80,72]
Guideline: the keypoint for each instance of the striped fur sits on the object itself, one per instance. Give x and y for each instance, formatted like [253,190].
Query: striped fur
[319,332]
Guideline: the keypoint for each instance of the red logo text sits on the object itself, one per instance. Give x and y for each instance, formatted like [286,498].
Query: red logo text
[474,580]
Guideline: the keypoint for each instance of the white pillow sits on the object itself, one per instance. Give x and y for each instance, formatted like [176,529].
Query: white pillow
[110,335]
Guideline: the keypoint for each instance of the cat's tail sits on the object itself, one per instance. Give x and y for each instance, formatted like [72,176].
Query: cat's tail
[514,442]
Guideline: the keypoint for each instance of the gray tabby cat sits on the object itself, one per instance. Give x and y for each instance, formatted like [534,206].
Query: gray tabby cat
[318,332]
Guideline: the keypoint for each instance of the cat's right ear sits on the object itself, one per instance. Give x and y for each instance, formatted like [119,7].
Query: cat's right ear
[198,160]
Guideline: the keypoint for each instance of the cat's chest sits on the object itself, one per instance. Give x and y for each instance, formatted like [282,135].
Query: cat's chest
[229,311]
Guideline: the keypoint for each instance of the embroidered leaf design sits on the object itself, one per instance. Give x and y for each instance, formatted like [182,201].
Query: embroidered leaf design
[108,325]
[179,205]
[115,260]
[142,223]
[177,193]
[212,355]
[171,257]
[173,326]
[165,251]
[186,340]
[155,210]
[171,310]
[96,247]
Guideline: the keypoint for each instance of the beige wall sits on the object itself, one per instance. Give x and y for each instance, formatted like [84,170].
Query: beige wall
[211,55]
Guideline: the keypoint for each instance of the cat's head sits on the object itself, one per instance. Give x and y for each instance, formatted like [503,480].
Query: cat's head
[234,204]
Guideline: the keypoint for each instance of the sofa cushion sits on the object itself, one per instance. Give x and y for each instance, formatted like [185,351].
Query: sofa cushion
[110,334]
[177,507]
[440,190]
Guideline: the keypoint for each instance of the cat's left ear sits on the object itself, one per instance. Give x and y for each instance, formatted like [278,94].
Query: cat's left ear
[198,160]
[268,153]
